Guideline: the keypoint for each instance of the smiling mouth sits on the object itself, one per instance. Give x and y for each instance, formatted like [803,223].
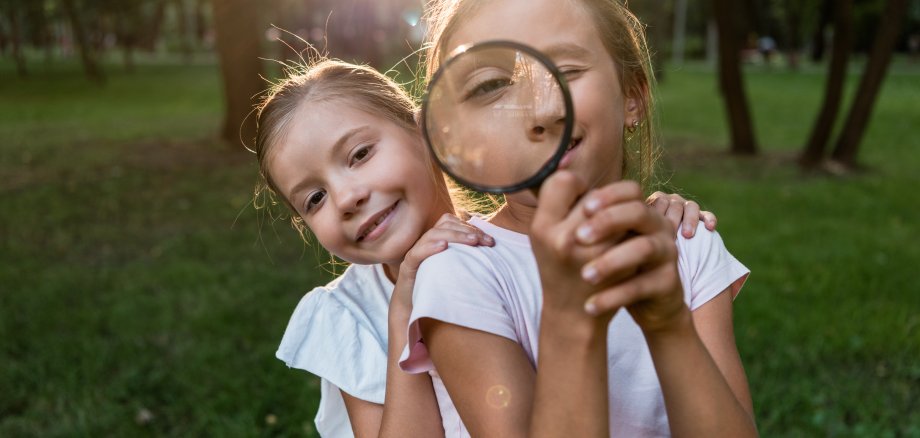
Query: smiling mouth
[374,222]
[573,144]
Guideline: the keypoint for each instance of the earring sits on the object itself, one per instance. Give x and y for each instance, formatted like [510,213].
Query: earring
[633,127]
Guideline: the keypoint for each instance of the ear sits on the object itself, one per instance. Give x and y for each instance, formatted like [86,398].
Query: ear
[632,109]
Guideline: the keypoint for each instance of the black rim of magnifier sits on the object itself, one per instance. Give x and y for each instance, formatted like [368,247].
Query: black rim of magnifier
[566,138]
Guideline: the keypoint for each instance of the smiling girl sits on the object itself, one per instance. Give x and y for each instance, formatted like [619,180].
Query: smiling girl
[640,324]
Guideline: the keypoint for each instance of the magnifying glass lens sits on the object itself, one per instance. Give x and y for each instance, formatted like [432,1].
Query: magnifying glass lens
[496,116]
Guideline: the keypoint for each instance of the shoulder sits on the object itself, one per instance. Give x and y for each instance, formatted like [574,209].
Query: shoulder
[338,332]
[707,267]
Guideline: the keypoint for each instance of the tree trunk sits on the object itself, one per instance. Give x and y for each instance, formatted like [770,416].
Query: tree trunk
[87,56]
[731,81]
[238,47]
[855,127]
[833,92]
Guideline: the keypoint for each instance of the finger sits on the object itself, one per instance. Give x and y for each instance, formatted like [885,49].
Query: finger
[654,197]
[639,253]
[420,252]
[709,219]
[557,196]
[647,285]
[675,210]
[610,194]
[691,219]
[615,222]
[450,222]
[465,236]
[611,223]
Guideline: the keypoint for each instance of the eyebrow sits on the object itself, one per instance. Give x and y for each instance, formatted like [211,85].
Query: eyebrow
[567,49]
[342,141]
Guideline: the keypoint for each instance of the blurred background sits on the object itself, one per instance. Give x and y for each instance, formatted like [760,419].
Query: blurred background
[141,293]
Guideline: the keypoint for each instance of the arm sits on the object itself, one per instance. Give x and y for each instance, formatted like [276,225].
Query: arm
[701,376]
[488,377]
[410,407]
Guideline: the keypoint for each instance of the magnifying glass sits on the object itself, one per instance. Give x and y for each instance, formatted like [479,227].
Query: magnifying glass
[498,116]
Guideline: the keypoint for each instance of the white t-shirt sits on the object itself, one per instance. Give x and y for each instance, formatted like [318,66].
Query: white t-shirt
[339,333]
[497,290]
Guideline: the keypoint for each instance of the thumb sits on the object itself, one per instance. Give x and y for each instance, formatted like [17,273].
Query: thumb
[557,196]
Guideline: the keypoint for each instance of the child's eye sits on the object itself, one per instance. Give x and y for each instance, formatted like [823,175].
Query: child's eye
[360,154]
[313,200]
[487,87]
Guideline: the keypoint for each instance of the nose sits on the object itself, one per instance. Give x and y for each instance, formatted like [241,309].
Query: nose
[548,115]
[350,199]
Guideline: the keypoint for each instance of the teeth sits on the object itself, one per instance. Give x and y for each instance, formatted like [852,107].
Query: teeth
[375,224]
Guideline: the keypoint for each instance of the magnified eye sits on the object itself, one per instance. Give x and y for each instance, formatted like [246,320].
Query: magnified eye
[488,87]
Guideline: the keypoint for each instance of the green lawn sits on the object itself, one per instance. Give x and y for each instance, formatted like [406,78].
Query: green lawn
[137,279]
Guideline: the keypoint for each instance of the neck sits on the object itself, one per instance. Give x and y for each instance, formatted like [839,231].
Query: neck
[515,217]
[392,271]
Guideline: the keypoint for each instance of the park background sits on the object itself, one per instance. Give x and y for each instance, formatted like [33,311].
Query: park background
[141,293]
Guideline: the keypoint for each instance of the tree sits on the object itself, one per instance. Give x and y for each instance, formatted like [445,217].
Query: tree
[730,79]
[858,118]
[81,36]
[12,10]
[833,94]
[239,49]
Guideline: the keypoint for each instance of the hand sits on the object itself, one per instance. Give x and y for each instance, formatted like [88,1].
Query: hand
[639,271]
[682,212]
[448,229]
[559,256]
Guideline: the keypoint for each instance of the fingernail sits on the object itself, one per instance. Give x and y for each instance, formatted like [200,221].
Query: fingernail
[585,233]
[590,307]
[589,274]
[592,205]
[688,231]
[489,239]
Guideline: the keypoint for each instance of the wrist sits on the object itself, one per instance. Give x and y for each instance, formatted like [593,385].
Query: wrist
[572,327]
[677,328]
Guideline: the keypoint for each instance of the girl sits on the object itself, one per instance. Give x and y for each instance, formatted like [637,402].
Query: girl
[338,144]
[672,363]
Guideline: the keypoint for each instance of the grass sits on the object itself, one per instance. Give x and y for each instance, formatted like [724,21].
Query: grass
[142,295]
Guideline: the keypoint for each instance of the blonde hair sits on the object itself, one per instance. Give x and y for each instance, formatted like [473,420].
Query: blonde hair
[317,81]
[623,36]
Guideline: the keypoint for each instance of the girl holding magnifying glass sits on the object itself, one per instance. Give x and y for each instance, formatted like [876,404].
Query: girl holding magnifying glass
[666,363]
[338,144]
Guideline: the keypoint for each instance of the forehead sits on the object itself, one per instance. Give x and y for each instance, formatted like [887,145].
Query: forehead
[538,23]
[313,130]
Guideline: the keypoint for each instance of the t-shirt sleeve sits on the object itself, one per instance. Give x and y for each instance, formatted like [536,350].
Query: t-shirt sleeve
[707,268]
[458,286]
[329,340]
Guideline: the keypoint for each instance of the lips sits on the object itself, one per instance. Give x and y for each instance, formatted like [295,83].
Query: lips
[567,157]
[369,229]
